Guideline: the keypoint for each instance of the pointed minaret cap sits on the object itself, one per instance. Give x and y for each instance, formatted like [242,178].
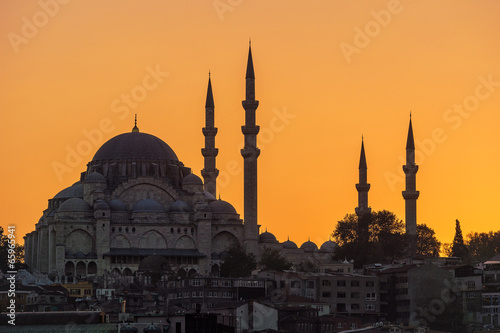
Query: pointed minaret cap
[362,157]
[250,74]
[410,144]
[135,129]
[210,97]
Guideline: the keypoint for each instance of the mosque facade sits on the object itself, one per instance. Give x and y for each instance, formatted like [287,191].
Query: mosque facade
[137,203]
[136,200]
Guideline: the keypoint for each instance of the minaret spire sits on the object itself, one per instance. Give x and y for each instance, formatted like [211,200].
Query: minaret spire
[210,171]
[410,194]
[363,187]
[250,153]
[135,129]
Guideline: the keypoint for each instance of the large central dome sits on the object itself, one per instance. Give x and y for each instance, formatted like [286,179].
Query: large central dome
[136,146]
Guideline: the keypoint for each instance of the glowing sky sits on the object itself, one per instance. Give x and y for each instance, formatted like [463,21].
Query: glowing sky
[327,72]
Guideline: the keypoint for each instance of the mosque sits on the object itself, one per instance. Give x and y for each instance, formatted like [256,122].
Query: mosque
[137,201]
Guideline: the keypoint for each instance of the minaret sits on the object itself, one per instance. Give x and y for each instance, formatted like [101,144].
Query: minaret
[363,187]
[209,171]
[410,194]
[250,153]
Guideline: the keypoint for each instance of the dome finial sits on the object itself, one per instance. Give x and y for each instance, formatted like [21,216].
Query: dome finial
[135,129]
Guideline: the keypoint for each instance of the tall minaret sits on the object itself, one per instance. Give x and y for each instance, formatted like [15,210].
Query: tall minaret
[410,194]
[250,153]
[209,171]
[363,187]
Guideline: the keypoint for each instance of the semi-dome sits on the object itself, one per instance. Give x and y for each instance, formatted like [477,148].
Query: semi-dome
[309,246]
[117,205]
[328,246]
[192,179]
[288,244]
[148,205]
[221,206]
[95,177]
[74,205]
[135,146]
[179,206]
[267,237]
[74,191]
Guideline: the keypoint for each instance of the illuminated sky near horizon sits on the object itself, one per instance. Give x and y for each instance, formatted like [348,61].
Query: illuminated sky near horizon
[327,72]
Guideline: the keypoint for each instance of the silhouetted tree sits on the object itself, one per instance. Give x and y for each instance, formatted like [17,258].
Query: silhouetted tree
[482,246]
[376,237]
[458,248]
[273,260]
[427,243]
[380,237]
[237,262]
[446,249]
[18,252]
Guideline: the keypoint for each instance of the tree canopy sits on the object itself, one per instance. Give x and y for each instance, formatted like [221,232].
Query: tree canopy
[379,237]
[237,262]
[273,260]
[458,247]
[6,257]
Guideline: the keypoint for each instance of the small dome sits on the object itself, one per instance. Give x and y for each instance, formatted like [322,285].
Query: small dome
[267,237]
[95,177]
[101,204]
[328,246]
[288,244]
[222,207]
[74,191]
[179,206]
[117,205]
[74,205]
[309,246]
[152,328]
[192,179]
[148,205]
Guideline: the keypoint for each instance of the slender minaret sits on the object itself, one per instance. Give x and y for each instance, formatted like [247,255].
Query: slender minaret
[363,187]
[250,153]
[410,194]
[209,171]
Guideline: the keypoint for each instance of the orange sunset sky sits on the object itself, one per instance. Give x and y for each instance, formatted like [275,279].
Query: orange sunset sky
[327,72]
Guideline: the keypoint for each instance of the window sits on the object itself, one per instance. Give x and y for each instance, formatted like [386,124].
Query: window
[371,296]
[196,282]
[471,295]
[326,294]
[354,295]
[341,294]
[353,325]
[471,284]
[325,283]
[341,283]
[310,284]
[339,325]
[370,283]
[354,283]
[354,306]
[215,283]
[369,307]
[295,284]
[226,283]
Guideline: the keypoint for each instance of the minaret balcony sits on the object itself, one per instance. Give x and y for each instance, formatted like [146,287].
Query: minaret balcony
[411,195]
[209,131]
[250,152]
[250,130]
[207,152]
